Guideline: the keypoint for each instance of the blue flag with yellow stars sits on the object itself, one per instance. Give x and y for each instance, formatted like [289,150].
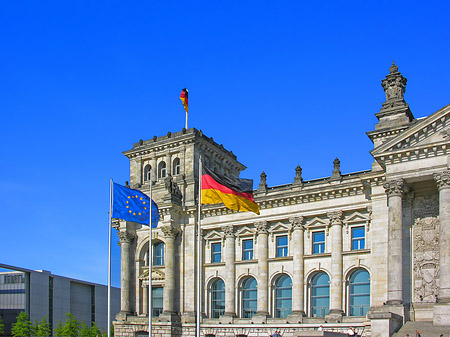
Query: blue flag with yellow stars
[133,205]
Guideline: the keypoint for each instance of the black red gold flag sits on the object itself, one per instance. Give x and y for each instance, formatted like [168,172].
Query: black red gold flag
[235,193]
[184,98]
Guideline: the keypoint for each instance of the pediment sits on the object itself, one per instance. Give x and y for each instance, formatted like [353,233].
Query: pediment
[356,217]
[213,235]
[430,136]
[280,227]
[245,231]
[157,275]
[317,222]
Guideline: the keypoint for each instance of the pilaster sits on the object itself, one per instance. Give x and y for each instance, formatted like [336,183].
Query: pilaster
[442,308]
[263,273]
[298,284]
[336,312]
[230,281]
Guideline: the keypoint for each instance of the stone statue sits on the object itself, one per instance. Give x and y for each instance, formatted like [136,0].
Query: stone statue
[172,187]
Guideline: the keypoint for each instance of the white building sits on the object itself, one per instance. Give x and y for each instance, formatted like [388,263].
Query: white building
[40,293]
[368,250]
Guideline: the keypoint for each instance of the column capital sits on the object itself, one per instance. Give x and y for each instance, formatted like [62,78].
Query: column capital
[261,227]
[125,237]
[395,187]
[335,218]
[170,231]
[297,223]
[228,230]
[442,179]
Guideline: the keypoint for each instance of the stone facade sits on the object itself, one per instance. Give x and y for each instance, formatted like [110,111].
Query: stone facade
[366,249]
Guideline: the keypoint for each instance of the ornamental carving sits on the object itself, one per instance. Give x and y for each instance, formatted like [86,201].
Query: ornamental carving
[297,223]
[394,85]
[261,227]
[125,237]
[229,231]
[395,187]
[426,206]
[170,231]
[426,259]
[335,218]
[442,179]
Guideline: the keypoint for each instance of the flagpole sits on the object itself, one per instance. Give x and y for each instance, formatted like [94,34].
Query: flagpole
[186,120]
[109,256]
[199,252]
[150,261]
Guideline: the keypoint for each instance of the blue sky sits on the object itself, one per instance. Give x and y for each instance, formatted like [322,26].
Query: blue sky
[278,83]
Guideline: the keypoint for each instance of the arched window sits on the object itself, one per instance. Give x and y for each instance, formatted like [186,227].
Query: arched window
[217,298]
[249,298]
[320,295]
[147,169]
[176,167]
[283,296]
[359,292]
[158,254]
[162,170]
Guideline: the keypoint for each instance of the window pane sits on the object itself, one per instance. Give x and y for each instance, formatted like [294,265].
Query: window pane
[359,289]
[216,255]
[320,295]
[247,249]
[249,298]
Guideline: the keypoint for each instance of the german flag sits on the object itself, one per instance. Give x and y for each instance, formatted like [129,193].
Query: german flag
[184,98]
[236,194]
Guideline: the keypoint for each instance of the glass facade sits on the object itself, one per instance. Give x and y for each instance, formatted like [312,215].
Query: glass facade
[217,299]
[359,290]
[247,249]
[282,246]
[283,297]
[249,297]
[318,243]
[320,295]
[358,238]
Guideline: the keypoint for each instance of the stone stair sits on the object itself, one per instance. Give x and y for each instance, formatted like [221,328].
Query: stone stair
[427,328]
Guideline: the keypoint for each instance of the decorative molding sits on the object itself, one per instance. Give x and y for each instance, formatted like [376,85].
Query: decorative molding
[442,179]
[170,231]
[125,237]
[395,187]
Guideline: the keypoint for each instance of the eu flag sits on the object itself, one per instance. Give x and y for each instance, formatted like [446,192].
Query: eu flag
[133,205]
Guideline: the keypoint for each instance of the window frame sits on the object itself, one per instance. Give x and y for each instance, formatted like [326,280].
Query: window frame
[320,244]
[246,250]
[313,297]
[358,239]
[284,248]
[244,300]
[277,312]
[351,296]
[162,168]
[214,254]
[214,312]
[158,259]
[147,169]
[159,309]
[176,166]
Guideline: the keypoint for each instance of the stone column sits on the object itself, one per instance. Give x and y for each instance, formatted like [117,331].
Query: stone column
[125,239]
[145,307]
[395,190]
[230,280]
[442,308]
[170,233]
[336,290]
[168,164]
[154,168]
[263,273]
[298,281]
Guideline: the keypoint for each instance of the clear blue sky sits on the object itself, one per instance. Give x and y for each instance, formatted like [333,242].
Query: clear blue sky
[279,83]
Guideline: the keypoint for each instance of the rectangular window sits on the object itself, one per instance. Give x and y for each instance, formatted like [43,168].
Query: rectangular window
[358,238]
[282,246]
[157,301]
[318,244]
[158,254]
[247,249]
[216,252]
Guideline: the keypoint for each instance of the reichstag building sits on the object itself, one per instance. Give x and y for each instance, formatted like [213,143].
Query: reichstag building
[368,250]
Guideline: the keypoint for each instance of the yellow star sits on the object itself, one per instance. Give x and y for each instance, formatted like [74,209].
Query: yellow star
[141,198]
[129,211]
[134,213]
[143,202]
[139,213]
[128,198]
